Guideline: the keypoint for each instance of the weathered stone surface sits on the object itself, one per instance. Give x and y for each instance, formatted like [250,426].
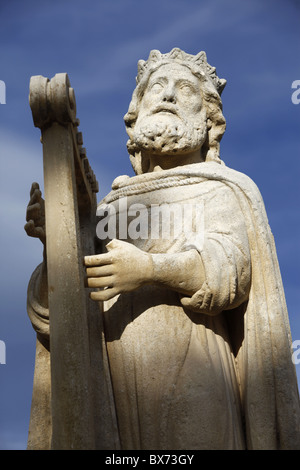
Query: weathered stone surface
[192,316]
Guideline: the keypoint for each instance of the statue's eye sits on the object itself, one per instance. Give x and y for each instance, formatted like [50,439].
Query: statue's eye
[186,89]
[156,87]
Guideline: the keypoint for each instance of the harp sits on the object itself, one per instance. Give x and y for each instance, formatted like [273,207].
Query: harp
[80,389]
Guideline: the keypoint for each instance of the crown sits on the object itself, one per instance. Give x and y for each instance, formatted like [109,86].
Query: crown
[198,64]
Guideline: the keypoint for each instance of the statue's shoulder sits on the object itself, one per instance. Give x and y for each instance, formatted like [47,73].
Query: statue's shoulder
[238,183]
[229,176]
[184,176]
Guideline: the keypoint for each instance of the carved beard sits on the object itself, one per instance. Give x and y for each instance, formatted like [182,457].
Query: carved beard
[164,134]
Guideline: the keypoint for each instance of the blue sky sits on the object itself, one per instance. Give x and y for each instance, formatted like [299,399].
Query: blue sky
[255,45]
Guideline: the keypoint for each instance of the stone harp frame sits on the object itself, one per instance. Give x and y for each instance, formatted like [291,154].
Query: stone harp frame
[70,191]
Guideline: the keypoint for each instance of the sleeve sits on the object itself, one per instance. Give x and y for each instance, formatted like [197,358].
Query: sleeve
[39,315]
[225,254]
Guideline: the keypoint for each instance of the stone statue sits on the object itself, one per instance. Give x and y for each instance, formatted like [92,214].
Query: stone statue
[196,337]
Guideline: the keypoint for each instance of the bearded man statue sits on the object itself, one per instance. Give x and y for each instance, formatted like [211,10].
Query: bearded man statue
[195,325]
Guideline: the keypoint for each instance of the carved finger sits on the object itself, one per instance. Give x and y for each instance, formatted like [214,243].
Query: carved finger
[35,194]
[34,186]
[40,233]
[33,211]
[35,197]
[35,232]
[105,270]
[98,260]
[103,295]
[100,281]
[30,228]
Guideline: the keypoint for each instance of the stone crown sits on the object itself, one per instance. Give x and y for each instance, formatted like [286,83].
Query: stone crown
[198,64]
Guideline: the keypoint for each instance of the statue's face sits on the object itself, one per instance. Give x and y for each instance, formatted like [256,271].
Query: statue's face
[172,90]
[171,118]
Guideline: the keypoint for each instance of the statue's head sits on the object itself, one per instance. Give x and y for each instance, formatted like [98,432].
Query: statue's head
[176,109]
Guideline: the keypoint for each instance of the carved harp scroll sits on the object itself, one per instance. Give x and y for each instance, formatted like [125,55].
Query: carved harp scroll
[70,205]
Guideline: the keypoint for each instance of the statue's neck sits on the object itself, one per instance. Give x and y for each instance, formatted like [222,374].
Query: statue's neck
[166,162]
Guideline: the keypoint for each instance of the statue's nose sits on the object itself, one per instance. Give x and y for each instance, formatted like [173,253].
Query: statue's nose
[169,95]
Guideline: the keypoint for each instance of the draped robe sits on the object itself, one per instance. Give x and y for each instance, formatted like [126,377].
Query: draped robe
[214,370]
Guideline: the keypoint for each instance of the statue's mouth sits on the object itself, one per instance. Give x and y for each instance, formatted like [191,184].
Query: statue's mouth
[165,109]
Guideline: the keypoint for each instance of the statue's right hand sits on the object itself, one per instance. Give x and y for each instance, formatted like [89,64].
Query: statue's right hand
[35,215]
